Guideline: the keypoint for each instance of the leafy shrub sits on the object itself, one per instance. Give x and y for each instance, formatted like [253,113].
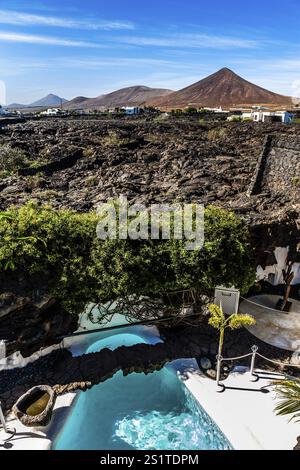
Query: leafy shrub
[33,181]
[191,110]
[216,134]
[84,269]
[11,159]
[92,180]
[112,139]
[236,119]
[88,152]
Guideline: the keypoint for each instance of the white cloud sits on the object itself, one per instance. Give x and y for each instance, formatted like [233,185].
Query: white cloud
[45,40]
[97,63]
[26,19]
[188,40]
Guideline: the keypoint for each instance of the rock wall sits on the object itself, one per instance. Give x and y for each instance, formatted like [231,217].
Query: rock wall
[278,168]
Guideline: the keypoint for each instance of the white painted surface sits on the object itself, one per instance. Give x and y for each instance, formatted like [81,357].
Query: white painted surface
[228,299]
[272,326]
[262,116]
[281,255]
[273,274]
[244,414]
[38,438]
[2,349]
[16,360]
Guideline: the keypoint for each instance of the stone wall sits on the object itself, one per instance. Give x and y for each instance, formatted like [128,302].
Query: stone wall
[278,168]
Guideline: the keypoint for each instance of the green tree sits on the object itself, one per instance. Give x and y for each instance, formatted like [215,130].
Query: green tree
[220,322]
[288,392]
[191,110]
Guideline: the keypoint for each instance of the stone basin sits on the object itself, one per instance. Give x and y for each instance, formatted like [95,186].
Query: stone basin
[35,407]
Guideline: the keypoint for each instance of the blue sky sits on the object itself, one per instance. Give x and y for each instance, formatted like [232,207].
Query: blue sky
[91,47]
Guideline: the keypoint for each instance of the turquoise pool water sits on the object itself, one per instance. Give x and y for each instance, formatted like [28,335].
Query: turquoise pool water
[139,411]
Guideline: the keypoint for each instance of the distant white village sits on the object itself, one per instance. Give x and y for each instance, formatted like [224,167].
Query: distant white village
[254,114]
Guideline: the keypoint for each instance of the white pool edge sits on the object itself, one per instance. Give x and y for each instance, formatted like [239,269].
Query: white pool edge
[246,418]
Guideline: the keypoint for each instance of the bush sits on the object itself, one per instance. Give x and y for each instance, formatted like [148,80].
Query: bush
[84,269]
[11,159]
[216,134]
[236,119]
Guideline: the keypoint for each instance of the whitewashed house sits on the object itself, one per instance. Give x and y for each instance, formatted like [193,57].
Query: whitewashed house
[53,112]
[269,116]
[216,110]
[130,110]
[2,111]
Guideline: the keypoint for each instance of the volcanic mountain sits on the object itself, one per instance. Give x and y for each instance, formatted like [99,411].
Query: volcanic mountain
[48,101]
[132,96]
[223,88]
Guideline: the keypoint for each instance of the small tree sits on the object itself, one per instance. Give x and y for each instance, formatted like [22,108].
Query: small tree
[219,321]
[289,394]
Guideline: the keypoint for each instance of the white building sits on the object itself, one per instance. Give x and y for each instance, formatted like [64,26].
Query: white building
[216,110]
[53,112]
[131,110]
[269,116]
[2,111]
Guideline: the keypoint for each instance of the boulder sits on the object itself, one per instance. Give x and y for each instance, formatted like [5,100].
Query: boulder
[205,363]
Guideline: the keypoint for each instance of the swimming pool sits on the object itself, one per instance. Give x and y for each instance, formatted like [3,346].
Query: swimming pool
[139,411]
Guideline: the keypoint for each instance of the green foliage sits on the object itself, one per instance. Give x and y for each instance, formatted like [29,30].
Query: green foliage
[88,152]
[217,319]
[240,320]
[42,240]
[216,134]
[289,394]
[11,160]
[91,181]
[236,119]
[235,321]
[220,322]
[112,139]
[296,181]
[191,110]
[84,269]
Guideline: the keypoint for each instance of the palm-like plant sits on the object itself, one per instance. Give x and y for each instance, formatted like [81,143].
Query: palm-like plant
[220,322]
[288,392]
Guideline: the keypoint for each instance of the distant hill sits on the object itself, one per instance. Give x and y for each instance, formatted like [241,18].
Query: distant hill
[76,102]
[223,88]
[131,96]
[15,106]
[48,101]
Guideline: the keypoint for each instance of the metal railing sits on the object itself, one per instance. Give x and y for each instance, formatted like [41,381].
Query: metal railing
[253,356]
[7,433]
